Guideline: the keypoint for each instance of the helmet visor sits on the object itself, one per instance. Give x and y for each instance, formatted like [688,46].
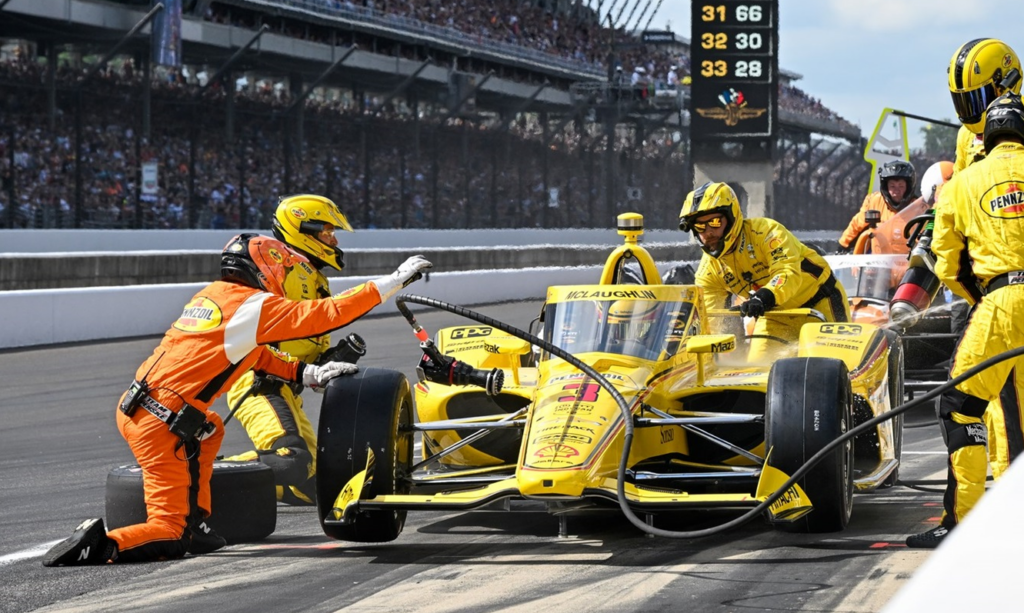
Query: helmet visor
[714,222]
[970,106]
[321,231]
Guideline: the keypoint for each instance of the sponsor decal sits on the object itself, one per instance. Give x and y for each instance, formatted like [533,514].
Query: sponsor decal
[200,315]
[579,439]
[978,432]
[789,497]
[491,348]
[471,332]
[667,435]
[1007,60]
[556,451]
[723,347]
[275,255]
[848,329]
[350,291]
[774,242]
[1004,201]
[298,213]
[618,293]
[733,108]
[777,281]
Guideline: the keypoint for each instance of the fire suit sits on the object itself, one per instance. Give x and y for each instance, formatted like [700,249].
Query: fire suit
[970,148]
[273,416]
[767,255]
[979,249]
[222,333]
[872,202]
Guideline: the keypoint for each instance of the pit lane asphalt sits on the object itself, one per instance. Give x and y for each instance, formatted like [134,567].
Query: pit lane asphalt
[58,441]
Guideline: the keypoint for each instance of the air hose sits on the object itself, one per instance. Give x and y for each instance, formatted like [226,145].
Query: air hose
[628,417]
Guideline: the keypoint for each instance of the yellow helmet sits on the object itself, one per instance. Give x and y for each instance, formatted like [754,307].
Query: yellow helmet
[981,70]
[302,221]
[713,198]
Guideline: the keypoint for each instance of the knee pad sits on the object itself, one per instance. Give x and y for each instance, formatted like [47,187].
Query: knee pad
[955,401]
[291,465]
[957,436]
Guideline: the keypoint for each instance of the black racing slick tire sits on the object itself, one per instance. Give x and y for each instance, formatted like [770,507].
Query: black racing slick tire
[809,405]
[242,495]
[370,409]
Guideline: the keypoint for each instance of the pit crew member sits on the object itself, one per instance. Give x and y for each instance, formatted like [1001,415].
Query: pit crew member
[897,181]
[224,330]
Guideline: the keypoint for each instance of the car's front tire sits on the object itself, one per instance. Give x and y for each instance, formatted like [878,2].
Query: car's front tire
[809,405]
[371,409]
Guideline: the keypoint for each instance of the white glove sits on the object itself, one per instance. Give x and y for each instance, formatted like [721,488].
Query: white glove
[407,273]
[317,377]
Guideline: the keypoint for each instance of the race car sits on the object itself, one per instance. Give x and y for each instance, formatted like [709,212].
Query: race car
[719,419]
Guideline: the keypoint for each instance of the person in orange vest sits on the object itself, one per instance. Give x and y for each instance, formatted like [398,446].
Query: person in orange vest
[897,181]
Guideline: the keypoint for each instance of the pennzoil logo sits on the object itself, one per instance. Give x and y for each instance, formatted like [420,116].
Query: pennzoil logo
[1004,201]
[200,315]
[471,332]
[275,255]
[847,329]
[734,108]
[298,213]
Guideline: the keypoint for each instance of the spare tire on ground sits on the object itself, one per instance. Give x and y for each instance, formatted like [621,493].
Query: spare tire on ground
[243,496]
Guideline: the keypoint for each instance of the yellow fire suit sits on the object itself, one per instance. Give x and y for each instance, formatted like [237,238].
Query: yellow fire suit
[979,243]
[767,255]
[273,416]
[970,148]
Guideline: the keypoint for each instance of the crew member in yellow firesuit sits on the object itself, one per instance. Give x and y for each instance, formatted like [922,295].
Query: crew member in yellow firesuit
[757,259]
[979,248]
[897,181]
[272,413]
[979,71]
[224,331]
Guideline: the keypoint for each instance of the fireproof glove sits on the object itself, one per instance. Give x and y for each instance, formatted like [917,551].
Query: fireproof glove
[317,377]
[409,271]
[762,300]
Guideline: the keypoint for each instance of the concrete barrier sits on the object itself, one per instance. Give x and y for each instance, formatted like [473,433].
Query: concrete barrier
[49,316]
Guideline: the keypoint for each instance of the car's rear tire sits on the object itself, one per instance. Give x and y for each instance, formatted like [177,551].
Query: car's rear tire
[371,409]
[809,405]
[243,498]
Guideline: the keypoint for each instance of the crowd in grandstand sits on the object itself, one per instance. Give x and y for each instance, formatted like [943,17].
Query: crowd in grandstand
[235,179]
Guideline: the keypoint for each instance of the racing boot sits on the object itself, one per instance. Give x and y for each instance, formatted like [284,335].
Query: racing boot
[928,540]
[204,538]
[88,545]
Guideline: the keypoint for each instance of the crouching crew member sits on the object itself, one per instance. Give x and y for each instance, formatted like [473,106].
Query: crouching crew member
[164,415]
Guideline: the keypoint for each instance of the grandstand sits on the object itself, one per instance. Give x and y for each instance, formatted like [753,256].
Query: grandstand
[410,113]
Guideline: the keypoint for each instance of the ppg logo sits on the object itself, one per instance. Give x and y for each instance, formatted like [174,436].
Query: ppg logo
[471,332]
[847,329]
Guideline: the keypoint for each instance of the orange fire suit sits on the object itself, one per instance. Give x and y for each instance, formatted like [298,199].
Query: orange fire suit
[273,415]
[767,255]
[222,333]
[873,202]
[979,243]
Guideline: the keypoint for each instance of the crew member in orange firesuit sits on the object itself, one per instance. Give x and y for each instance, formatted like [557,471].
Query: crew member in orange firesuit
[896,183]
[164,415]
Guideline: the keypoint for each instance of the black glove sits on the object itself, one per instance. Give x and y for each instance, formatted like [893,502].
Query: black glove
[845,250]
[762,300]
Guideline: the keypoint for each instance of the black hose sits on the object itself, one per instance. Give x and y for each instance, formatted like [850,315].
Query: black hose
[628,418]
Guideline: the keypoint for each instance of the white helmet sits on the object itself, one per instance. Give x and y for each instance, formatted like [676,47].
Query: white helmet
[937,174]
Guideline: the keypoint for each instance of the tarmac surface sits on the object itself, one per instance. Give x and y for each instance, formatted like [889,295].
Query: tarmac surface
[58,441]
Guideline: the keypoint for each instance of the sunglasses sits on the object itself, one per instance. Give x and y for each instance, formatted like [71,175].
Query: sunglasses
[714,222]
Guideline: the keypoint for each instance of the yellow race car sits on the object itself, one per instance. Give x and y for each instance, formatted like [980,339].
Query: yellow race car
[716,419]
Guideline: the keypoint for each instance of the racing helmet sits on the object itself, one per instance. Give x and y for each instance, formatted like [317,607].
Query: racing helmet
[307,222]
[981,70]
[897,169]
[1005,118]
[934,178]
[631,320]
[712,198]
[258,261]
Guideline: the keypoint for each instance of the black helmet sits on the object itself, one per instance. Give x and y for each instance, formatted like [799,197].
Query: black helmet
[258,261]
[897,169]
[1005,118]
